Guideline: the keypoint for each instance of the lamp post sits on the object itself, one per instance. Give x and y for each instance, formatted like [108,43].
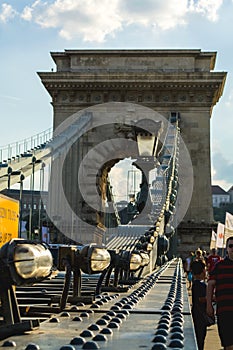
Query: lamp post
[36,234]
[20,203]
[9,172]
[146,134]
[32,196]
[40,202]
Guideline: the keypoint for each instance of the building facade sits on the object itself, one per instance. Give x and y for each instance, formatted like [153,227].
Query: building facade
[220,197]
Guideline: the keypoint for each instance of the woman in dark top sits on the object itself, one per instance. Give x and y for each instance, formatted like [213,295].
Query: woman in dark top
[199,302]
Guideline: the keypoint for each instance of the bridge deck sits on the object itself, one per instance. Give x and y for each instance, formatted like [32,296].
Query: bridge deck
[157,304]
[212,341]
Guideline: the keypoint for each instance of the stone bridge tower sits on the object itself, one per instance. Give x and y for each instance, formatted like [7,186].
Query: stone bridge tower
[163,80]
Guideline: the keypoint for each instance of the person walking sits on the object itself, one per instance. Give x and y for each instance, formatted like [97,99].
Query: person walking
[199,302]
[205,256]
[212,259]
[221,282]
[187,268]
[199,256]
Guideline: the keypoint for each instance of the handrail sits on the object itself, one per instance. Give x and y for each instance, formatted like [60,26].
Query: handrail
[16,148]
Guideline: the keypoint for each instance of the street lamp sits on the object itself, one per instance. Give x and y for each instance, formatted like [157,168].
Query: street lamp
[32,196]
[147,136]
[40,201]
[9,172]
[147,132]
[36,233]
[34,162]
[20,202]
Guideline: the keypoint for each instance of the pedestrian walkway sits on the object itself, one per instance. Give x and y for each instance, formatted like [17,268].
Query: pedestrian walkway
[212,341]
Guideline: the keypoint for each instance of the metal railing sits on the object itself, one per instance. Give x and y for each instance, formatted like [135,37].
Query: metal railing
[19,147]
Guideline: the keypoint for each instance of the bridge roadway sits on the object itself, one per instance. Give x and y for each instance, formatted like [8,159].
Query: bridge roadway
[154,313]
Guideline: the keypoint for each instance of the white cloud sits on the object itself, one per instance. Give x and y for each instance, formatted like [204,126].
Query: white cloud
[217,180]
[95,20]
[7,13]
[124,178]
[222,170]
[27,13]
[92,20]
[208,8]
[37,7]
[159,13]
[118,179]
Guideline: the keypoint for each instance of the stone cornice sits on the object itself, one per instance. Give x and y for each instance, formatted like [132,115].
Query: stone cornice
[150,77]
[176,88]
[148,81]
[56,82]
[127,85]
[134,75]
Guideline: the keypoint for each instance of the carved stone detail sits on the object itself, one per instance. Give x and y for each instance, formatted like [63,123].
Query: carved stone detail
[201,94]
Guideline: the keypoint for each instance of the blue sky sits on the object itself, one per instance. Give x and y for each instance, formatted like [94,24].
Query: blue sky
[30,30]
